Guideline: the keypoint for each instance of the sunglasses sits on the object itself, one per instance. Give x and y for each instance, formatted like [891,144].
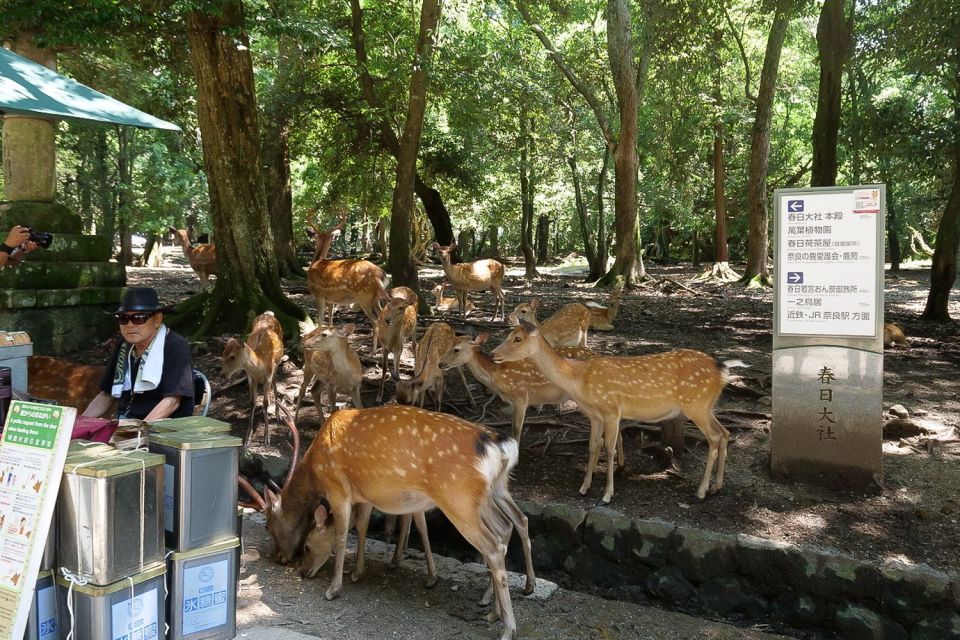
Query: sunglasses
[135,318]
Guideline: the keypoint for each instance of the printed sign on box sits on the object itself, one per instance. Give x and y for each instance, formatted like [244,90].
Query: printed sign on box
[205,589]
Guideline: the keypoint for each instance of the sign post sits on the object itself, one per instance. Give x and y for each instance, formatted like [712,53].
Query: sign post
[828,334]
[32,453]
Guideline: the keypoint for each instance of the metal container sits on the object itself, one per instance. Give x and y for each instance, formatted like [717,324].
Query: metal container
[190,423]
[130,609]
[43,623]
[104,505]
[200,488]
[203,592]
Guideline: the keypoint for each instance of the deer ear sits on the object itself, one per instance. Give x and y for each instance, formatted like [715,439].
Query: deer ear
[436,245]
[272,499]
[320,517]
[480,339]
[528,327]
[535,303]
[346,330]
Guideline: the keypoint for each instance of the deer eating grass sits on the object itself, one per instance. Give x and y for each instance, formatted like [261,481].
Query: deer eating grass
[427,375]
[202,258]
[406,460]
[566,328]
[397,322]
[330,361]
[259,357]
[479,275]
[647,388]
[892,334]
[449,304]
[347,281]
[520,384]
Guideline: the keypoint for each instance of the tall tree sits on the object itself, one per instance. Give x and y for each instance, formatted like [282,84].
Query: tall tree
[757,271]
[248,280]
[833,43]
[401,263]
[527,188]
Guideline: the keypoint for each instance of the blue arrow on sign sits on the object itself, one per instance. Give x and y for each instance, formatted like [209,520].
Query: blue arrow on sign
[794,206]
[795,277]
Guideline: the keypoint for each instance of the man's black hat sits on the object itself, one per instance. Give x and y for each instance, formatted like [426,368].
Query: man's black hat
[141,299]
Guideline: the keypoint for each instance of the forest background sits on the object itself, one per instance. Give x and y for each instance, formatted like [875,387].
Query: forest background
[652,129]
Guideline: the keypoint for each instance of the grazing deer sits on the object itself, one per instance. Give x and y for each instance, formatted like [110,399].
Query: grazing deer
[330,360]
[347,281]
[601,318]
[436,341]
[648,388]
[566,328]
[259,357]
[67,383]
[397,322]
[519,384]
[473,276]
[892,334]
[202,258]
[407,460]
[449,304]
[322,538]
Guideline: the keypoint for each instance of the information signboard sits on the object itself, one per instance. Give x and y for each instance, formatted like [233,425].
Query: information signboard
[827,256]
[32,452]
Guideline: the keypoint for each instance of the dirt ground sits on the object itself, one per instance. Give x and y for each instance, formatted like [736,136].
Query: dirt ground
[913,517]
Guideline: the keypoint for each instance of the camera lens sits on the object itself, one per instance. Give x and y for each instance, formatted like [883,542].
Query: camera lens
[42,238]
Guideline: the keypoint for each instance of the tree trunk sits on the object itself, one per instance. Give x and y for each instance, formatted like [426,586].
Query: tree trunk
[583,217]
[279,197]
[620,50]
[543,239]
[248,280]
[943,272]
[833,43]
[401,264]
[108,209]
[493,234]
[526,197]
[893,234]
[719,165]
[603,249]
[125,158]
[757,270]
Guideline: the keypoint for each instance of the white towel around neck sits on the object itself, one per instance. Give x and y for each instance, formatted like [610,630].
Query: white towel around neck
[151,367]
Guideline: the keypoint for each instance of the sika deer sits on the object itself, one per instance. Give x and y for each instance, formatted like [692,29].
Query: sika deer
[519,384]
[436,341]
[449,304]
[329,359]
[202,258]
[347,281]
[648,388]
[473,276]
[399,293]
[397,321]
[601,318]
[64,381]
[259,357]
[566,328]
[404,460]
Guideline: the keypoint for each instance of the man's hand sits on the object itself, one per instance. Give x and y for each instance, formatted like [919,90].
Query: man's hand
[17,236]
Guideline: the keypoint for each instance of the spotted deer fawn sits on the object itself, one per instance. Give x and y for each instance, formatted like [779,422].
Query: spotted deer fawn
[427,375]
[449,304]
[473,276]
[202,258]
[330,361]
[347,281]
[407,460]
[566,328]
[397,322]
[259,357]
[892,334]
[520,384]
[601,318]
[647,388]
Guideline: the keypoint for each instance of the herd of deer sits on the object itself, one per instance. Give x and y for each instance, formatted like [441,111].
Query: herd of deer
[404,460]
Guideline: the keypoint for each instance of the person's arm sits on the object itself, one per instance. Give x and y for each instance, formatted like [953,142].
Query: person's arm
[100,404]
[17,236]
[164,409]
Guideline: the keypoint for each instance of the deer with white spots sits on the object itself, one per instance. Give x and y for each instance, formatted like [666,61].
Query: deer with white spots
[202,258]
[520,384]
[397,322]
[449,304]
[478,275]
[404,460]
[427,374]
[330,360]
[647,388]
[566,328]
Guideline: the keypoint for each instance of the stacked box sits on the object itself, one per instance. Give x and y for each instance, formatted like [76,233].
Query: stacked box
[100,514]
[132,608]
[190,423]
[43,623]
[203,592]
[200,487]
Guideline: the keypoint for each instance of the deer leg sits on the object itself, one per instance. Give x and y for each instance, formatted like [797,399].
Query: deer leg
[266,411]
[421,521]
[253,409]
[383,375]
[466,387]
[519,413]
[402,536]
[611,435]
[307,379]
[341,524]
[596,439]
[620,462]
[717,437]
[355,394]
[438,388]
[505,502]
[362,521]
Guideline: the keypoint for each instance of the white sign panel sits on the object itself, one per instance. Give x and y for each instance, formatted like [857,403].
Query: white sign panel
[827,267]
[205,591]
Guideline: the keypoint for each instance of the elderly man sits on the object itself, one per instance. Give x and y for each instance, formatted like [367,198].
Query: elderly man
[151,371]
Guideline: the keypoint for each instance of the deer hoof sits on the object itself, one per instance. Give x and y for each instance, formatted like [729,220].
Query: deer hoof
[431,582]
[332,593]
[493,616]
[714,490]
[356,575]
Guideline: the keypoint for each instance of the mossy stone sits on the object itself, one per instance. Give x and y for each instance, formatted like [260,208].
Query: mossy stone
[40,216]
